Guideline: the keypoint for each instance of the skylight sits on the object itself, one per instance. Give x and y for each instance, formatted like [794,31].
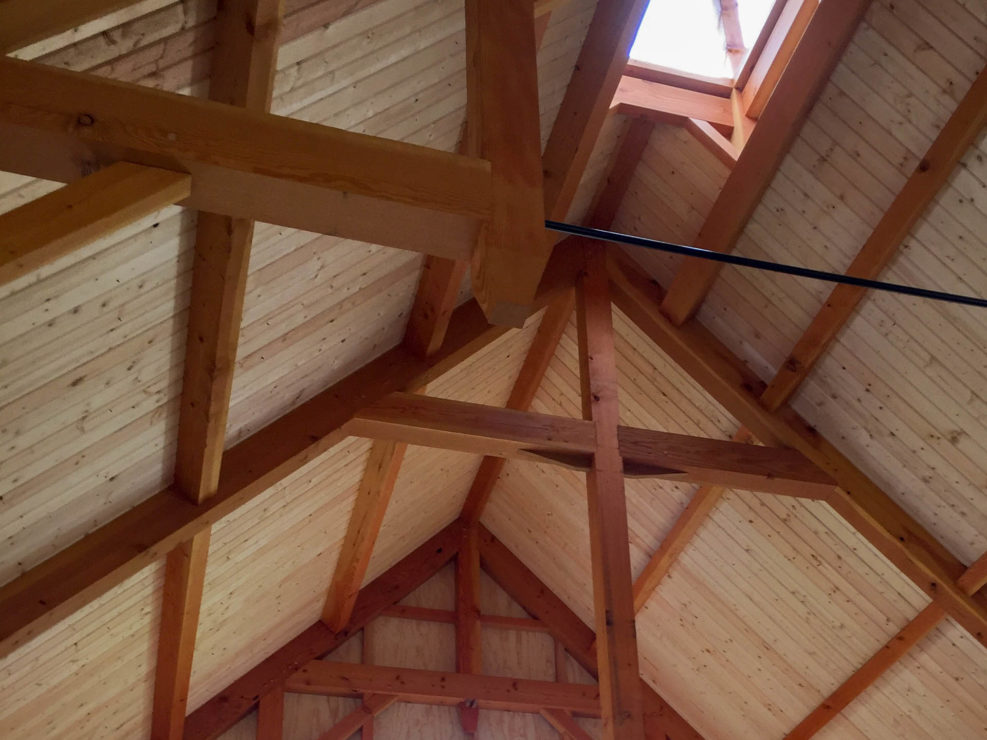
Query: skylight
[688,36]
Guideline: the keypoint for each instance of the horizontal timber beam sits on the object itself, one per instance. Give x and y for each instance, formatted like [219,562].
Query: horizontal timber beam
[446,689]
[668,104]
[510,433]
[61,125]
[860,501]
[227,707]
[104,558]
[66,219]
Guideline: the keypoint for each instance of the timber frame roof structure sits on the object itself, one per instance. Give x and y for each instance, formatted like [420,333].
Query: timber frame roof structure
[299,399]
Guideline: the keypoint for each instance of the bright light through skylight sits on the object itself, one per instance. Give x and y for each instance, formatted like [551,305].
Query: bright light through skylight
[686,35]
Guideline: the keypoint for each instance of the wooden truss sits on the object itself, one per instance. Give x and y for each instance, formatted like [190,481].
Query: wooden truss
[126,150]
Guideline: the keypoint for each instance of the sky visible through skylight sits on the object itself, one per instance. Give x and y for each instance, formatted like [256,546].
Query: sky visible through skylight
[685,35]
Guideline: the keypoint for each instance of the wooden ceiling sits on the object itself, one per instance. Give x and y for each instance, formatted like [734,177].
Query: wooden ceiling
[212,471]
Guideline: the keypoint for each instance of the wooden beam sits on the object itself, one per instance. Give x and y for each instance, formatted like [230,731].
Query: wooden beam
[508,433]
[110,554]
[911,634]
[444,689]
[661,720]
[703,501]
[435,300]
[54,225]
[777,52]
[469,656]
[818,52]
[372,497]
[616,644]
[594,80]
[23,22]
[529,378]
[720,86]
[226,708]
[921,188]
[243,75]
[360,718]
[270,716]
[502,111]
[720,146]
[667,104]
[565,724]
[610,194]
[61,125]
[185,570]
[858,499]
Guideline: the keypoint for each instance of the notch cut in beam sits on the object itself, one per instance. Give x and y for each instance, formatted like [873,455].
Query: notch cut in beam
[445,689]
[60,125]
[509,433]
[39,232]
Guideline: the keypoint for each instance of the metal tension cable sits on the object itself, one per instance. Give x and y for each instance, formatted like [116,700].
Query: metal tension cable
[733,259]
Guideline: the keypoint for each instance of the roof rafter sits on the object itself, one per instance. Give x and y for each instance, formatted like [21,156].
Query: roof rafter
[863,504]
[912,633]
[960,131]
[243,75]
[77,214]
[817,53]
[23,22]
[106,557]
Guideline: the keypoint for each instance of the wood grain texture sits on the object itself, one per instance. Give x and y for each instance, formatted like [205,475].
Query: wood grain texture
[529,378]
[579,640]
[226,708]
[23,22]
[270,716]
[185,571]
[587,99]
[668,104]
[50,227]
[818,52]
[443,688]
[77,575]
[372,498]
[616,639]
[931,173]
[857,498]
[275,183]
